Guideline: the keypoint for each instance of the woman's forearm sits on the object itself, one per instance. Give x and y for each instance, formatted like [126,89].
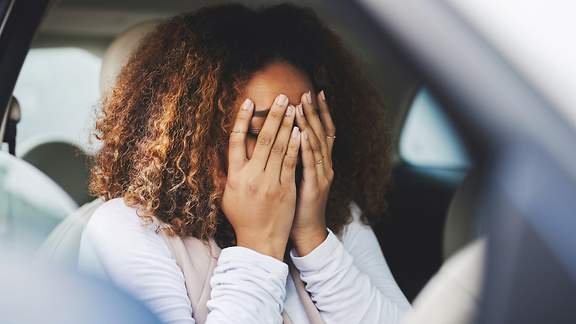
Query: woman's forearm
[247,287]
[342,292]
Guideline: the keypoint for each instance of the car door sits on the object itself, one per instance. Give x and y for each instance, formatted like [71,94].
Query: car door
[522,143]
[20,20]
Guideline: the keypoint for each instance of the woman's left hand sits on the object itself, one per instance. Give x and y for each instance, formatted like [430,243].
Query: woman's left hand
[317,141]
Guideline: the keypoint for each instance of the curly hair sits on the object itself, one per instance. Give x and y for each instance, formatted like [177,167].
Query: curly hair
[164,126]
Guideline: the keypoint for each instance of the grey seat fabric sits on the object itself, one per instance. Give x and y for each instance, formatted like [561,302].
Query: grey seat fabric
[452,296]
[64,163]
[462,226]
[63,244]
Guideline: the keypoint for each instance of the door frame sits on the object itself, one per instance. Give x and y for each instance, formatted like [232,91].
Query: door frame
[19,23]
[522,147]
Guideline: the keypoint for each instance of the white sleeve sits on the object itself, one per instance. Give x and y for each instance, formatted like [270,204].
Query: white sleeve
[247,286]
[136,259]
[350,281]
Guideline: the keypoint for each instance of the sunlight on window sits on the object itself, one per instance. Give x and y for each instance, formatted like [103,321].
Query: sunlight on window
[429,139]
[58,92]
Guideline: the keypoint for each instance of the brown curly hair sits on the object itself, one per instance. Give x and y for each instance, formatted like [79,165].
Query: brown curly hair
[165,125]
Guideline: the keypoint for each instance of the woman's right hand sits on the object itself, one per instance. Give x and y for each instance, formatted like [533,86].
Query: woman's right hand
[260,195]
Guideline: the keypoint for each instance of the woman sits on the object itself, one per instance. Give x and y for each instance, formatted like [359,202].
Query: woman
[221,126]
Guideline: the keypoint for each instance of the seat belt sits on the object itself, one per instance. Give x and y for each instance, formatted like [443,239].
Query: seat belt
[11,119]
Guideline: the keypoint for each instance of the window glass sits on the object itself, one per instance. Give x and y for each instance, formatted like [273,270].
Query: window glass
[58,91]
[428,138]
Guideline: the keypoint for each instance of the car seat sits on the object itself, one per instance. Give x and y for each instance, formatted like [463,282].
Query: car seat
[64,242]
[452,296]
[31,204]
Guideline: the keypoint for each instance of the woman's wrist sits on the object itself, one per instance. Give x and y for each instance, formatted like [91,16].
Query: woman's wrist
[262,246]
[306,240]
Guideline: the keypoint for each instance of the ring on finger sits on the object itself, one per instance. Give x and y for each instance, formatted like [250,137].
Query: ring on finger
[331,136]
[320,162]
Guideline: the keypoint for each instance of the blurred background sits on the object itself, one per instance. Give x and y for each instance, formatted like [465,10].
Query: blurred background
[458,77]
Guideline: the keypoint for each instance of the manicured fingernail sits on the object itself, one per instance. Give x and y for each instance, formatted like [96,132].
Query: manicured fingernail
[308,97]
[322,95]
[281,100]
[295,132]
[247,104]
[300,110]
[290,111]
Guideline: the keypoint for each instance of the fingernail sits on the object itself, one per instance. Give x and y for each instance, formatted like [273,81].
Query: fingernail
[281,100]
[295,132]
[322,96]
[305,135]
[308,97]
[246,105]
[290,111]
[300,110]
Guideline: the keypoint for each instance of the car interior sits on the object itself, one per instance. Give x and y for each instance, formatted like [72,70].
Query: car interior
[427,219]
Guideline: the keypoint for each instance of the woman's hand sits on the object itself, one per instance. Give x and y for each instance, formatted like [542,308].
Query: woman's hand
[260,195]
[317,141]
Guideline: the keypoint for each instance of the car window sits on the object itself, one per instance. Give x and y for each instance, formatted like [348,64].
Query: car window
[58,91]
[429,139]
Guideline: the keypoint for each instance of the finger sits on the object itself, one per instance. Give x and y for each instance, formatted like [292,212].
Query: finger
[274,164]
[313,119]
[288,173]
[326,119]
[314,142]
[268,133]
[237,141]
[309,175]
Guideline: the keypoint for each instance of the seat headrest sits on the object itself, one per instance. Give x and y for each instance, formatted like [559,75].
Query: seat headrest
[119,52]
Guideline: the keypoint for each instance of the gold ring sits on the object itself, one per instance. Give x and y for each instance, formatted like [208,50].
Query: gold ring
[319,161]
[331,136]
[237,131]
